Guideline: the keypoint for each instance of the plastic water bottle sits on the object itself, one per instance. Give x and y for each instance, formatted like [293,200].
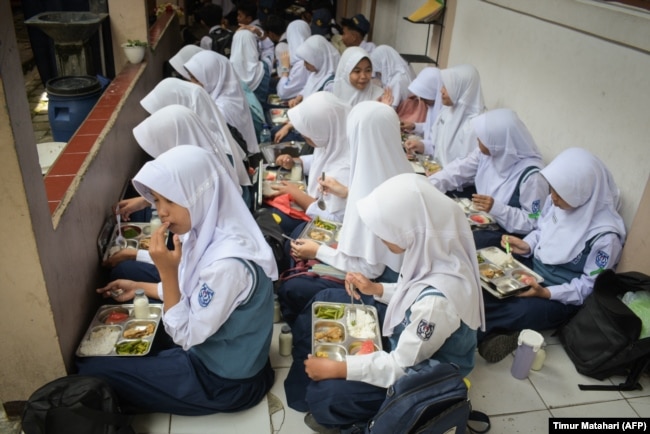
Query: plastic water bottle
[530,343]
[286,341]
[265,135]
[140,305]
[155,221]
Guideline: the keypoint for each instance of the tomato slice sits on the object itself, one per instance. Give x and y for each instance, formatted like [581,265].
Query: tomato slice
[116,317]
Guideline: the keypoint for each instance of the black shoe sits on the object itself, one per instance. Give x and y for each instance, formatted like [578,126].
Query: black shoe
[316,427]
[496,347]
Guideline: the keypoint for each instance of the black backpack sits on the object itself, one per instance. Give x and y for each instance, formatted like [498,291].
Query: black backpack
[273,235]
[602,339]
[75,404]
[221,40]
[430,399]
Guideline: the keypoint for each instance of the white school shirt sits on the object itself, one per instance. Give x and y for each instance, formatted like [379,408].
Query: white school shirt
[533,191]
[289,87]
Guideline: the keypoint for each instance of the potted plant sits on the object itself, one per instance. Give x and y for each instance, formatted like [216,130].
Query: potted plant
[134,50]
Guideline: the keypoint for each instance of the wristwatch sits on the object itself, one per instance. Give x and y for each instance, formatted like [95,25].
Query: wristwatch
[283,70]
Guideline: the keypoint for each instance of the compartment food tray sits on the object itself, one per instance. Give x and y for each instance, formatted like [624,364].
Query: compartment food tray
[322,231]
[332,335]
[275,101]
[500,277]
[477,219]
[272,151]
[272,174]
[138,236]
[278,116]
[108,328]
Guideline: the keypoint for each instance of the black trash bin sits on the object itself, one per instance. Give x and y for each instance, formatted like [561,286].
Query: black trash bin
[71,98]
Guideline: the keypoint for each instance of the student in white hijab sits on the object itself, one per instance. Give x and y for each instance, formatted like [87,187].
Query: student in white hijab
[353,79]
[246,61]
[217,294]
[181,57]
[174,91]
[433,311]
[393,71]
[426,86]
[375,155]
[580,233]
[452,136]
[321,120]
[292,72]
[505,167]
[321,60]
[215,73]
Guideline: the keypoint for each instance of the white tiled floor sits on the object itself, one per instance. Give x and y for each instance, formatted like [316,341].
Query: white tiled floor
[514,406]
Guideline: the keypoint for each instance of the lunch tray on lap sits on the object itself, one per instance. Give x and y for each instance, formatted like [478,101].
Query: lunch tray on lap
[500,277]
[331,336]
[322,231]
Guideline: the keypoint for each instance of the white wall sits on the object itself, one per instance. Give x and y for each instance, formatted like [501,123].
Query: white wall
[569,87]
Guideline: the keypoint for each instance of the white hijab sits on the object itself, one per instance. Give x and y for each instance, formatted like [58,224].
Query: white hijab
[321,117]
[178,125]
[376,155]
[427,85]
[395,72]
[319,52]
[512,150]
[175,91]
[342,86]
[179,59]
[408,211]
[245,58]
[219,79]
[297,32]
[585,183]
[451,135]
[222,226]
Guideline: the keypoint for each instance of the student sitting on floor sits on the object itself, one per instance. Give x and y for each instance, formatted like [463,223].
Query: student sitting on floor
[505,167]
[217,293]
[579,234]
[434,309]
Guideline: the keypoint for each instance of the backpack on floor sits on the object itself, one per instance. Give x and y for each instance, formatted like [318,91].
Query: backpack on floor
[430,399]
[75,404]
[602,339]
[221,40]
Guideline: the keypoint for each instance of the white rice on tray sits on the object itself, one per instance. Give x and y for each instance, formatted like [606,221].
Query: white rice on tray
[100,341]
[365,326]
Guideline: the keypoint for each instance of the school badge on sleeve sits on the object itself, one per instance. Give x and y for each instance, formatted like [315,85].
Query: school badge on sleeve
[205,295]
[425,330]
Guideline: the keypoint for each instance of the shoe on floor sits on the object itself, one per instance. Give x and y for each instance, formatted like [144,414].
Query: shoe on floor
[316,427]
[496,347]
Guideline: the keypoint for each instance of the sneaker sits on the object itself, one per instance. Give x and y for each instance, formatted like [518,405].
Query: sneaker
[316,427]
[496,347]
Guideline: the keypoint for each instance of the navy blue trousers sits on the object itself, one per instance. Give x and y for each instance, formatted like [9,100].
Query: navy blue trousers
[175,381]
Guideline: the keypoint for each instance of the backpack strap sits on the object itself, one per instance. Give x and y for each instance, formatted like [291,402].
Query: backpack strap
[326,82]
[478,422]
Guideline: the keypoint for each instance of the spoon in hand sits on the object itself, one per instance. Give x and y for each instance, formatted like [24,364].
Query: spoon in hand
[119,240]
[321,201]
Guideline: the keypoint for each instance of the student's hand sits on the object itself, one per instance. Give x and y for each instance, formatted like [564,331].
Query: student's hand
[387,96]
[517,245]
[321,368]
[284,187]
[536,290]
[304,249]
[129,206]
[363,284]
[295,101]
[166,260]
[482,202]
[331,186]
[282,133]
[414,146]
[285,161]
[121,290]
[120,256]
[253,29]
[407,126]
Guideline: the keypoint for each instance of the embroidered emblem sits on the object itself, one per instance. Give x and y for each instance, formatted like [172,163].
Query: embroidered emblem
[601,259]
[425,330]
[205,295]
[536,206]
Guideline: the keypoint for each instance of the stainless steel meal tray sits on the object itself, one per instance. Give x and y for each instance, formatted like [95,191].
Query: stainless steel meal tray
[278,116]
[333,336]
[104,335]
[499,276]
[275,101]
[322,231]
[138,236]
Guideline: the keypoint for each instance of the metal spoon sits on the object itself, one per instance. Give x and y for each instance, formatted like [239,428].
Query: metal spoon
[119,240]
[353,312]
[321,202]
